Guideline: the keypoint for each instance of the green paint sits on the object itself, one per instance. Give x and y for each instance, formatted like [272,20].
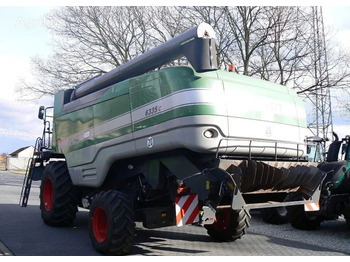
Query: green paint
[108,109]
[338,181]
[139,91]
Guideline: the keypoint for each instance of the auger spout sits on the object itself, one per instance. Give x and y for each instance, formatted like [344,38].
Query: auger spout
[196,44]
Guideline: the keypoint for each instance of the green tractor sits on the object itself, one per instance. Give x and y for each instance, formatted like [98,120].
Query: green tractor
[335,193]
[315,155]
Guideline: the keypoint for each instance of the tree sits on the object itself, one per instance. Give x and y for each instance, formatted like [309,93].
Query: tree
[272,43]
[88,41]
[251,28]
[281,60]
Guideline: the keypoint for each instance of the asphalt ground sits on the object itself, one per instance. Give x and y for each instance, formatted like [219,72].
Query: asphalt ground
[4,251]
[23,233]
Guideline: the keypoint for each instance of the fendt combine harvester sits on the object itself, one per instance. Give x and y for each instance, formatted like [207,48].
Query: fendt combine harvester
[175,146]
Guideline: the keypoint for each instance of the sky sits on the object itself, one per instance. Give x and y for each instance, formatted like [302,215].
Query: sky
[23,35]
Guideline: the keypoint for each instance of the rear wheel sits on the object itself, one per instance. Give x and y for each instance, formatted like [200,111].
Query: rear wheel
[112,224]
[229,225]
[274,215]
[57,200]
[347,220]
[299,218]
[347,215]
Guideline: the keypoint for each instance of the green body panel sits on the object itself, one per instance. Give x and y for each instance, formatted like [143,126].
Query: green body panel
[341,180]
[259,90]
[156,98]
[68,124]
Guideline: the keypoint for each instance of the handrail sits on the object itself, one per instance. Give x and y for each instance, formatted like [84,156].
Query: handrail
[47,130]
[250,145]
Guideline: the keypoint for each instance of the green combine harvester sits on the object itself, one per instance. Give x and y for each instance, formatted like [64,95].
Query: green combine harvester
[175,146]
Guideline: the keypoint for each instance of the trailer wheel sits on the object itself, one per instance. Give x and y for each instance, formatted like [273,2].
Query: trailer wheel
[274,215]
[112,224]
[347,220]
[229,225]
[57,201]
[299,218]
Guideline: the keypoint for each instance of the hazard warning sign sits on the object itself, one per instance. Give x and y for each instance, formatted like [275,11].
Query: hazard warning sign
[312,206]
[187,209]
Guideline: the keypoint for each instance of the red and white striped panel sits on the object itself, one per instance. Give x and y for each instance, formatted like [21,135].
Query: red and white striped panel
[187,210]
[312,206]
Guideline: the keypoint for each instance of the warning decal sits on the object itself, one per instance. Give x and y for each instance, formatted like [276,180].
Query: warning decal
[187,210]
[312,206]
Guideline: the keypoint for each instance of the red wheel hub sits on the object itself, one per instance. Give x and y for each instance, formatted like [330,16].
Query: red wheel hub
[100,224]
[222,219]
[48,194]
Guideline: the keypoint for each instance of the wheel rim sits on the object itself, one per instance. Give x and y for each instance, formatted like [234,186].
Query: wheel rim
[282,211]
[48,194]
[222,220]
[100,224]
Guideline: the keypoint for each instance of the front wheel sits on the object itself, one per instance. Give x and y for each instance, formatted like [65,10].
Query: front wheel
[347,220]
[299,218]
[274,215]
[57,200]
[229,225]
[112,224]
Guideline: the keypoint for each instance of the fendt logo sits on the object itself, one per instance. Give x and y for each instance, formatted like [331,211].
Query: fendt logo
[150,142]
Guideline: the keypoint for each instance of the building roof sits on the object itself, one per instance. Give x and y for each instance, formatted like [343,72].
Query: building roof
[19,151]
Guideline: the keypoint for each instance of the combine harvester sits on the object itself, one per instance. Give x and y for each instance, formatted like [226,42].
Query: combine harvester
[176,146]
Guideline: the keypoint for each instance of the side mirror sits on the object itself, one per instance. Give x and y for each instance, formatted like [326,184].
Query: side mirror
[41,112]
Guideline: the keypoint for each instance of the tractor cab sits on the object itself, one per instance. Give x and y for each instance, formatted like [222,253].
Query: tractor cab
[346,148]
[315,152]
[337,166]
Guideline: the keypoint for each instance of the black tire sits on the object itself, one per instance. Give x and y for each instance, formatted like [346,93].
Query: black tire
[57,200]
[112,223]
[347,220]
[229,225]
[274,215]
[299,218]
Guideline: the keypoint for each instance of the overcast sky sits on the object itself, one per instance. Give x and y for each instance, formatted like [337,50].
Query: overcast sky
[23,35]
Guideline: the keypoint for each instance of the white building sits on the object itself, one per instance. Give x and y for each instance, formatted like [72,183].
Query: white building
[18,160]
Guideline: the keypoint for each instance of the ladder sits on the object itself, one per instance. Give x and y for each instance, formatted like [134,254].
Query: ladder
[28,177]
[36,162]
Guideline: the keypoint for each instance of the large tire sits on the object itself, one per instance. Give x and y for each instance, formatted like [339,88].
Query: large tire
[299,218]
[274,215]
[57,200]
[347,220]
[229,225]
[112,223]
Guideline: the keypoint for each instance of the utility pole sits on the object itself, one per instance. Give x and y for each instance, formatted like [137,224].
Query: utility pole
[320,118]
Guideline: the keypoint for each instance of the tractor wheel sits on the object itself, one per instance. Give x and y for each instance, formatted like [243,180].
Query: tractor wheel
[274,215]
[112,224]
[57,200]
[347,220]
[299,218]
[229,225]
[347,216]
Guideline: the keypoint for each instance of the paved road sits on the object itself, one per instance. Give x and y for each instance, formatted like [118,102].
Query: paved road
[24,234]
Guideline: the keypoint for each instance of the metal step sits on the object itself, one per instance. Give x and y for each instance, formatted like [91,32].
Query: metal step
[27,183]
